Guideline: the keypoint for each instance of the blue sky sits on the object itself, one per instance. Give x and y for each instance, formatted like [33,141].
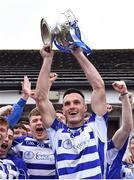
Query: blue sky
[107,24]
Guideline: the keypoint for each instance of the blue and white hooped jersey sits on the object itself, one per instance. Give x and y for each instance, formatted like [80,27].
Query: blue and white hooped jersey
[77,150]
[3,171]
[14,168]
[126,171]
[37,155]
[114,160]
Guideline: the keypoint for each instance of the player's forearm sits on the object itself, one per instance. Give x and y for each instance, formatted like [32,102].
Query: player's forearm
[43,86]
[127,117]
[90,71]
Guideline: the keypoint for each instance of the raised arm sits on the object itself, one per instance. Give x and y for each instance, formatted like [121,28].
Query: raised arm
[123,132]
[26,88]
[43,86]
[98,97]
[18,108]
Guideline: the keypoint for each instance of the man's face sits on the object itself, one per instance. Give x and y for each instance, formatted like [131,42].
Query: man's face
[37,128]
[3,132]
[74,108]
[6,145]
[29,133]
[131,147]
[19,132]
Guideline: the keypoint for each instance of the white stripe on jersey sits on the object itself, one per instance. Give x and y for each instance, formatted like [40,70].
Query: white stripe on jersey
[36,172]
[74,163]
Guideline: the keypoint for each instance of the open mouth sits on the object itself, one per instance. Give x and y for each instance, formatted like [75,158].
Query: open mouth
[73,113]
[4,146]
[39,130]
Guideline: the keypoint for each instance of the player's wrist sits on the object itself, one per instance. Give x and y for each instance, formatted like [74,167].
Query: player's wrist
[124,93]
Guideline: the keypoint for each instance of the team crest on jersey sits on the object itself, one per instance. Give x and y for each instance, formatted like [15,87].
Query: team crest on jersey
[67,144]
[28,155]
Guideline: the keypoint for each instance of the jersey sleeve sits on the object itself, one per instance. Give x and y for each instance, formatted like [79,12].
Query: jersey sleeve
[99,126]
[16,145]
[114,160]
[15,116]
[53,133]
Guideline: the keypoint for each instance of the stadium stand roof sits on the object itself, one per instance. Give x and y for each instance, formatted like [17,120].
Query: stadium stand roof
[114,64]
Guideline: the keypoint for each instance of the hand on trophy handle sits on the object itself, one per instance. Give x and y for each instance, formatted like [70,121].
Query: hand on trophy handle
[76,50]
[46,51]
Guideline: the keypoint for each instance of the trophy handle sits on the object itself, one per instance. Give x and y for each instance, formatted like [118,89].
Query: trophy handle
[70,16]
[45,32]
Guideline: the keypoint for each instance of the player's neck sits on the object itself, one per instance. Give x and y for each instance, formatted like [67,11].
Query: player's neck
[75,125]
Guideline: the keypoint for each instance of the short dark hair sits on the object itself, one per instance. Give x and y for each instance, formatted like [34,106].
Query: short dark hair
[73,90]
[34,112]
[24,122]
[20,126]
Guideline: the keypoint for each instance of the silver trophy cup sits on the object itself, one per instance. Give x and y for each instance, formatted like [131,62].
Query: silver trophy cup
[65,34]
